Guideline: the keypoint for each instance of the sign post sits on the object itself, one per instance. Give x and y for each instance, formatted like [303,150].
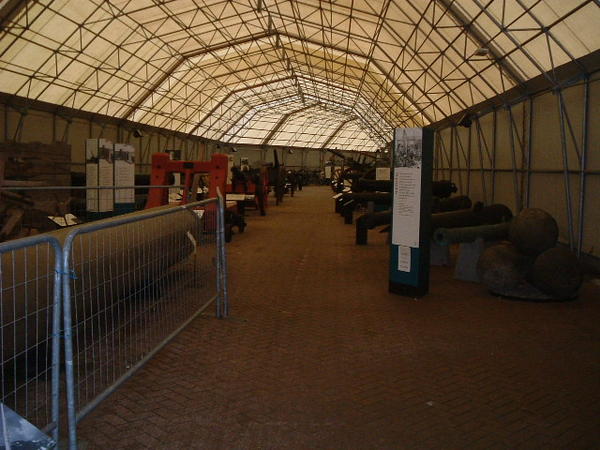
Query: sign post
[412,171]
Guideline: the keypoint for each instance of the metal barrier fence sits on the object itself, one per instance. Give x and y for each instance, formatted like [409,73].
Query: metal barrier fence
[129,284]
[135,283]
[30,302]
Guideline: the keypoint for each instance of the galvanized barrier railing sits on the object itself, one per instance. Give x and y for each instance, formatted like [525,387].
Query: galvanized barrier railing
[125,286]
[30,313]
[135,282]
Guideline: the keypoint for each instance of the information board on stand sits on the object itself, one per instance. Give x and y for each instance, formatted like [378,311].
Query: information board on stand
[412,165]
[124,167]
[99,172]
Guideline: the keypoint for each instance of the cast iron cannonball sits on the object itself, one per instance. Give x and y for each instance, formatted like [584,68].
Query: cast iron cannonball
[557,273]
[533,231]
[501,267]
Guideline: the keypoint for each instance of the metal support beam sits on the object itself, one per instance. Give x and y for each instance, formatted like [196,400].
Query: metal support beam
[529,152]
[284,119]
[335,132]
[483,42]
[513,157]
[480,143]
[583,164]
[235,91]
[494,148]
[566,175]
[9,9]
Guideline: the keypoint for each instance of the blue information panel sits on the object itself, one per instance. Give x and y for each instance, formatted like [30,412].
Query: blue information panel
[412,171]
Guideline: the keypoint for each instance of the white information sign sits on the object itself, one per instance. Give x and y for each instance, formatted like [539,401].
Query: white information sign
[327,171]
[403,258]
[124,157]
[406,210]
[99,172]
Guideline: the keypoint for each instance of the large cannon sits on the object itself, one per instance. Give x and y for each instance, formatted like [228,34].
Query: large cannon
[108,266]
[479,215]
[531,266]
[368,222]
[450,203]
[447,236]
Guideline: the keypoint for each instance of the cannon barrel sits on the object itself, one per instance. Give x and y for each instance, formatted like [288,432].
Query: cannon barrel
[450,204]
[109,265]
[369,221]
[480,215]
[379,198]
[447,236]
[440,188]
[365,184]
[443,188]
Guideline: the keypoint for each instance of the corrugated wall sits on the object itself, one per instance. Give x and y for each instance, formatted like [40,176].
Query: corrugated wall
[520,155]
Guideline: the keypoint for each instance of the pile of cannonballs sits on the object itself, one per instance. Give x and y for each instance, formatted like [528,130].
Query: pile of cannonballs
[530,265]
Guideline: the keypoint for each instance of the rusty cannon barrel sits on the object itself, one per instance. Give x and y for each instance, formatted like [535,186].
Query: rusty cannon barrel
[450,204]
[366,184]
[447,236]
[368,222]
[440,188]
[351,200]
[108,265]
[379,198]
[443,188]
[479,215]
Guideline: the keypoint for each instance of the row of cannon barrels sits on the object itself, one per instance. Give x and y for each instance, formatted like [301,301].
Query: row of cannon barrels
[529,264]
[378,192]
[440,188]
[443,218]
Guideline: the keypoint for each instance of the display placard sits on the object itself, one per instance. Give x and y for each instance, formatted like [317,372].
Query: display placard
[407,206]
[124,165]
[411,211]
[99,171]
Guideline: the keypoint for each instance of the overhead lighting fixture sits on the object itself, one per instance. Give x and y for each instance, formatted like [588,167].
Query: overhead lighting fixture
[482,51]
[137,133]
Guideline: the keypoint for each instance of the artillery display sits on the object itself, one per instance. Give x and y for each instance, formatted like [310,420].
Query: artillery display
[476,217]
[531,266]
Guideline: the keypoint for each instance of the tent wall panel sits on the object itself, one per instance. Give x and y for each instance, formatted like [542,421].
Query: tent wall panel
[535,173]
[548,193]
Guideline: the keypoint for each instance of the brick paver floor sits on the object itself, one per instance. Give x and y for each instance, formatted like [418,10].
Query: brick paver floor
[317,354]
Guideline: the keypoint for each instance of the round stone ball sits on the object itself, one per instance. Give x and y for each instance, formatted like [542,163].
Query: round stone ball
[557,272]
[502,267]
[533,231]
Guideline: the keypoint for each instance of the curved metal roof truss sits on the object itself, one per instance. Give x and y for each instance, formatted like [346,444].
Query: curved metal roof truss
[286,72]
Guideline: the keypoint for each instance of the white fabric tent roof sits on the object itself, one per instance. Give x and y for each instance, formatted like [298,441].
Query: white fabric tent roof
[337,74]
